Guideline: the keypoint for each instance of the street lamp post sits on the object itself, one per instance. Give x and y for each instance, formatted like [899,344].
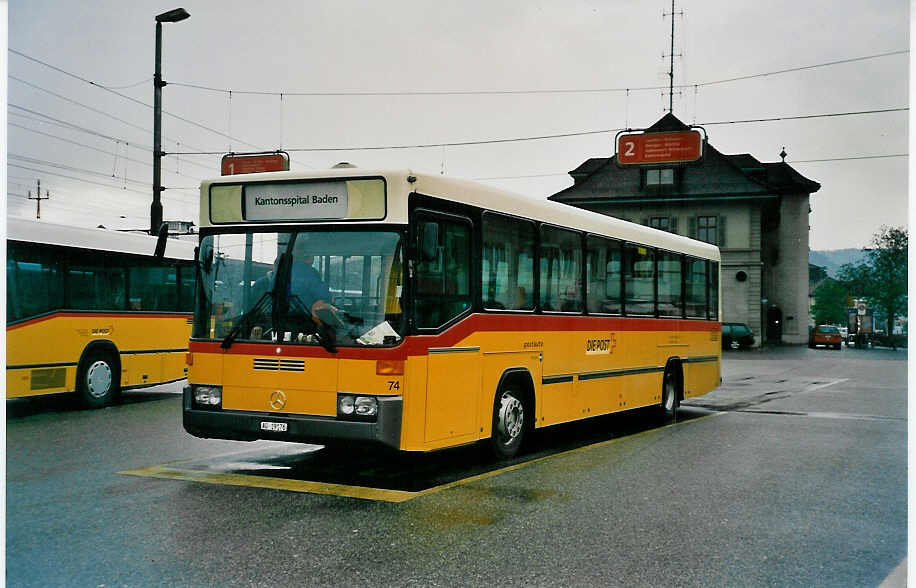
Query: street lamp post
[155,211]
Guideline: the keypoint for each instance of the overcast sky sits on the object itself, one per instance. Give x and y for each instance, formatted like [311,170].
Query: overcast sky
[92,149]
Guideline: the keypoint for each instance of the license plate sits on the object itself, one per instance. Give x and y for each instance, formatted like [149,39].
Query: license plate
[269,426]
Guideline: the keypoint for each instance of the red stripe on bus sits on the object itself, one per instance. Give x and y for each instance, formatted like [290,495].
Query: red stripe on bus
[53,315]
[420,344]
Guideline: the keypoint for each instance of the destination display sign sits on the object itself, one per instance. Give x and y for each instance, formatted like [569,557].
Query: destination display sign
[250,163]
[296,201]
[649,148]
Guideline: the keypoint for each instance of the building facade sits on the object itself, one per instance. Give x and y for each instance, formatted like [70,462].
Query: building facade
[757,213]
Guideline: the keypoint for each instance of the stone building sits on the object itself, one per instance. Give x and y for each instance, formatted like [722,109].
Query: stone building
[757,213]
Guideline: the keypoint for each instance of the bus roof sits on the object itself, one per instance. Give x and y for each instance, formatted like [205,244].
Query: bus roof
[476,194]
[34,231]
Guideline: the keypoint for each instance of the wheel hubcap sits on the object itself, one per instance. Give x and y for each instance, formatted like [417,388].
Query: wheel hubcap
[511,418]
[98,379]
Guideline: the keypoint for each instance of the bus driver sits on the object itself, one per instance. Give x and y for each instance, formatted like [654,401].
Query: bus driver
[306,283]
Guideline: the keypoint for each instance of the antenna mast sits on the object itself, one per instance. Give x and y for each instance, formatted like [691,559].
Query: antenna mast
[671,57]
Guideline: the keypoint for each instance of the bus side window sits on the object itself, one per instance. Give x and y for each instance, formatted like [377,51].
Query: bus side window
[507,263]
[695,287]
[713,289]
[639,280]
[96,282]
[443,285]
[34,280]
[186,288]
[153,287]
[603,272]
[669,270]
[561,270]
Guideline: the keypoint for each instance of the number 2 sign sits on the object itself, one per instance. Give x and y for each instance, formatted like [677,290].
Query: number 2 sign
[667,147]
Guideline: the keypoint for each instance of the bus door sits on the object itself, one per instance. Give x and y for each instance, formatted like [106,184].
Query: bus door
[441,297]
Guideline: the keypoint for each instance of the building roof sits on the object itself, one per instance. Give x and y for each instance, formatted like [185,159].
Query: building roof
[715,175]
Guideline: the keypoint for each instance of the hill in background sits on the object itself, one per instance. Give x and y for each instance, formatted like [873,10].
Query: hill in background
[832,260]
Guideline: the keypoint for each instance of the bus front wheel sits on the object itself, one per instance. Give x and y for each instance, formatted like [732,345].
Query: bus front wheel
[508,423]
[97,379]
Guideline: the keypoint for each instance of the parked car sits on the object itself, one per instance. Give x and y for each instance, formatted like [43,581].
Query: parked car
[736,336]
[844,333]
[826,335]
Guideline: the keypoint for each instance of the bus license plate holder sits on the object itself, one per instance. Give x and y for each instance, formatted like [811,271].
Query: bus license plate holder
[274,426]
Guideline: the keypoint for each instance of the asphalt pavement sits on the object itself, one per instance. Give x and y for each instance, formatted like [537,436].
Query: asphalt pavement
[792,473]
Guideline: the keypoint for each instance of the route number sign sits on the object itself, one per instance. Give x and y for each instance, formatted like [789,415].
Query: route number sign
[649,148]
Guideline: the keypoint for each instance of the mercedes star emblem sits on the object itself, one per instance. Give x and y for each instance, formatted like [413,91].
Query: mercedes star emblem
[277,399]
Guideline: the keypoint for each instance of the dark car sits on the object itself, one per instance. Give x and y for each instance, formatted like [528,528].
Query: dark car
[826,335]
[736,336]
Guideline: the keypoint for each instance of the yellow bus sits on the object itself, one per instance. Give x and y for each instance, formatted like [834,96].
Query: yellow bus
[421,312]
[92,311]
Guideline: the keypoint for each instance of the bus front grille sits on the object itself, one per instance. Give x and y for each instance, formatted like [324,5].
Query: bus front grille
[279,365]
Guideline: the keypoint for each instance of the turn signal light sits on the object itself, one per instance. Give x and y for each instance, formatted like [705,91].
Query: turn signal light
[189,358]
[389,367]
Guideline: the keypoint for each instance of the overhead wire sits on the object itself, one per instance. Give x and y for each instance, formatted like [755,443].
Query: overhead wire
[73,127]
[92,109]
[84,145]
[559,135]
[379,93]
[132,99]
[54,165]
[443,144]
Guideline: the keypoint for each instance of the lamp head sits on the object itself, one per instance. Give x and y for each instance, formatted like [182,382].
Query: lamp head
[175,15]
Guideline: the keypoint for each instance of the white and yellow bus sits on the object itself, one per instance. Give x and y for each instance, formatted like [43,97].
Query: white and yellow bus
[421,312]
[92,311]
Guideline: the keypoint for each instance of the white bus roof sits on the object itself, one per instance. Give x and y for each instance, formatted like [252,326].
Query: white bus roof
[483,196]
[35,231]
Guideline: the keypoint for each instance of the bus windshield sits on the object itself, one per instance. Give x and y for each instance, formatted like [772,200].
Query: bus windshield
[308,287]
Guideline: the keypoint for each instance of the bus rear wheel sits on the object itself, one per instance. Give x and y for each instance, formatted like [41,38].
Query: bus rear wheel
[97,379]
[508,423]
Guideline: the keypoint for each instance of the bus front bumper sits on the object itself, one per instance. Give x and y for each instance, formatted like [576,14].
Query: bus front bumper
[247,426]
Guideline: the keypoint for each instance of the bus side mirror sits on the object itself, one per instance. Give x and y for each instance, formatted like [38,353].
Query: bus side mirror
[429,241]
[206,258]
[161,239]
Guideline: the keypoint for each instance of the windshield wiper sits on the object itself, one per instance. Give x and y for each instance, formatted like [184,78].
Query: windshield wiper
[325,328]
[245,318]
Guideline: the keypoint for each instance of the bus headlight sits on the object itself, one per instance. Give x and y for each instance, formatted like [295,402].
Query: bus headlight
[366,406]
[352,407]
[208,396]
[345,405]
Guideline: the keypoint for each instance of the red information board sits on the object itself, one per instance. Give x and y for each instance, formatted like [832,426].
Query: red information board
[252,163]
[673,147]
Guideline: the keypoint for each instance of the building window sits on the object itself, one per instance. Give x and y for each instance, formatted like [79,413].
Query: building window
[707,229]
[660,177]
[659,222]
[664,223]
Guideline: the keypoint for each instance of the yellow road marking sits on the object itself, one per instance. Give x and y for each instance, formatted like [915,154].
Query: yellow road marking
[173,471]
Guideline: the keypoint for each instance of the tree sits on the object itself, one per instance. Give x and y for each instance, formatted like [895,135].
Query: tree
[882,280]
[830,303]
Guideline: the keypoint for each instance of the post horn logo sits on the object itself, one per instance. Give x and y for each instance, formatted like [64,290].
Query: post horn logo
[278,400]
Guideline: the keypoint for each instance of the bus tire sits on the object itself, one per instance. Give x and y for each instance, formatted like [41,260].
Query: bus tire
[509,422]
[670,392]
[98,378]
